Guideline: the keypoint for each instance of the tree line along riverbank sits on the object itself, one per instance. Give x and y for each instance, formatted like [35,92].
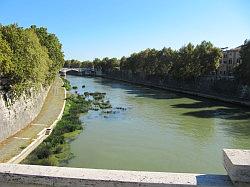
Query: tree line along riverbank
[187,63]
[29,58]
[188,68]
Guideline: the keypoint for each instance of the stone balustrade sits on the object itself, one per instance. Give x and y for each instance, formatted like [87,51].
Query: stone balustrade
[236,162]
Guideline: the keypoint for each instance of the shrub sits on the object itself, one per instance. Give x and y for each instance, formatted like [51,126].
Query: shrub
[43,151]
[66,84]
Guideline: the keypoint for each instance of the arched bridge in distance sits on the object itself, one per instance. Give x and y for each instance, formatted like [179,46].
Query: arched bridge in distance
[77,71]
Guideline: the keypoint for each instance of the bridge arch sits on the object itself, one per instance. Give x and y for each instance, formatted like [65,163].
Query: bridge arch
[77,71]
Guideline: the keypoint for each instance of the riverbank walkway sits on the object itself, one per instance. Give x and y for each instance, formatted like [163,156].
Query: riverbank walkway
[52,110]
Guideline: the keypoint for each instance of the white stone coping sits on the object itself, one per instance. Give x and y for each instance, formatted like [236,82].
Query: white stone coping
[61,176]
[237,164]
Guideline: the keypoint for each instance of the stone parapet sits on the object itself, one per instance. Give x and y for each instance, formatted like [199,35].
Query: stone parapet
[60,176]
[237,164]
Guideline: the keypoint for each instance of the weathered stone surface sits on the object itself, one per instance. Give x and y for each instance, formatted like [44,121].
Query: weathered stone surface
[20,113]
[237,164]
[59,176]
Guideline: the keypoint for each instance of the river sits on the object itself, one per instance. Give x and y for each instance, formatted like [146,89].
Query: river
[157,131]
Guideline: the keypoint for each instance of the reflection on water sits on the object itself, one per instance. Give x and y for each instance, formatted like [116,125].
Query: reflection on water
[158,131]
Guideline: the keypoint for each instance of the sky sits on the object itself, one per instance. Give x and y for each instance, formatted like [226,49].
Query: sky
[114,28]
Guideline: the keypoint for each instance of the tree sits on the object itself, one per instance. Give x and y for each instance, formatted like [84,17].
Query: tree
[67,64]
[6,55]
[87,64]
[30,60]
[123,63]
[183,68]
[54,47]
[207,58]
[97,63]
[191,62]
[112,63]
[243,70]
[75,63]
[26,60]
[165,62]
[187,63]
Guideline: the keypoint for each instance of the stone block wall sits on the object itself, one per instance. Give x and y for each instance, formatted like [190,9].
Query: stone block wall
[227,88]
[20,113]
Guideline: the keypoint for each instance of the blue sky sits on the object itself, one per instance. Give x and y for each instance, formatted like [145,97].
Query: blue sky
[115,28]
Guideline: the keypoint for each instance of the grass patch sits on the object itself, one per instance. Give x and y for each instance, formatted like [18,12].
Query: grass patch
[72,135]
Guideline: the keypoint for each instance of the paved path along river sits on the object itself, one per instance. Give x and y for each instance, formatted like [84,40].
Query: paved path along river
[51,109]
[158,131]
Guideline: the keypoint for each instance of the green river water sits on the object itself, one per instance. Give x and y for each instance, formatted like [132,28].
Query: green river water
[158,131]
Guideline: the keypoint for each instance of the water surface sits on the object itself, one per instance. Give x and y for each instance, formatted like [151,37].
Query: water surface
[158,131]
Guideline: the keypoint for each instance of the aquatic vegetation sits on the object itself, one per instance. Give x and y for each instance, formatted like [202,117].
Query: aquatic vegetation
[120,108]
[107,112]
[86,94]
[105,105]
[55,149]
[98,96]
[66,84]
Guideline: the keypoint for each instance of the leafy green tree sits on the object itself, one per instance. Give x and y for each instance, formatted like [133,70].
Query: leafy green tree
[54,47]
[29,58]
[97,63]
[183,67]
[165,62]
[123,63]
[67,64]
[112,63]
[207,59]
[87,64]
[243,70]
[187,63]
[6,55]
[73,64]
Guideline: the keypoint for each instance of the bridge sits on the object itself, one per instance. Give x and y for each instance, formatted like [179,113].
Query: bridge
[77,71]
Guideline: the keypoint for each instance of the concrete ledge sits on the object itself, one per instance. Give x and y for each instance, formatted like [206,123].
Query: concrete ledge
[237,164]
[59,176]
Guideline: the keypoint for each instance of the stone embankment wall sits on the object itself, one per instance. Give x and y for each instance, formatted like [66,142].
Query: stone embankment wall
[19,114]
[222,89]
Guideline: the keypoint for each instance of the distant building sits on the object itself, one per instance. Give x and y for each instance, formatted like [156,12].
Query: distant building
[231,59]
